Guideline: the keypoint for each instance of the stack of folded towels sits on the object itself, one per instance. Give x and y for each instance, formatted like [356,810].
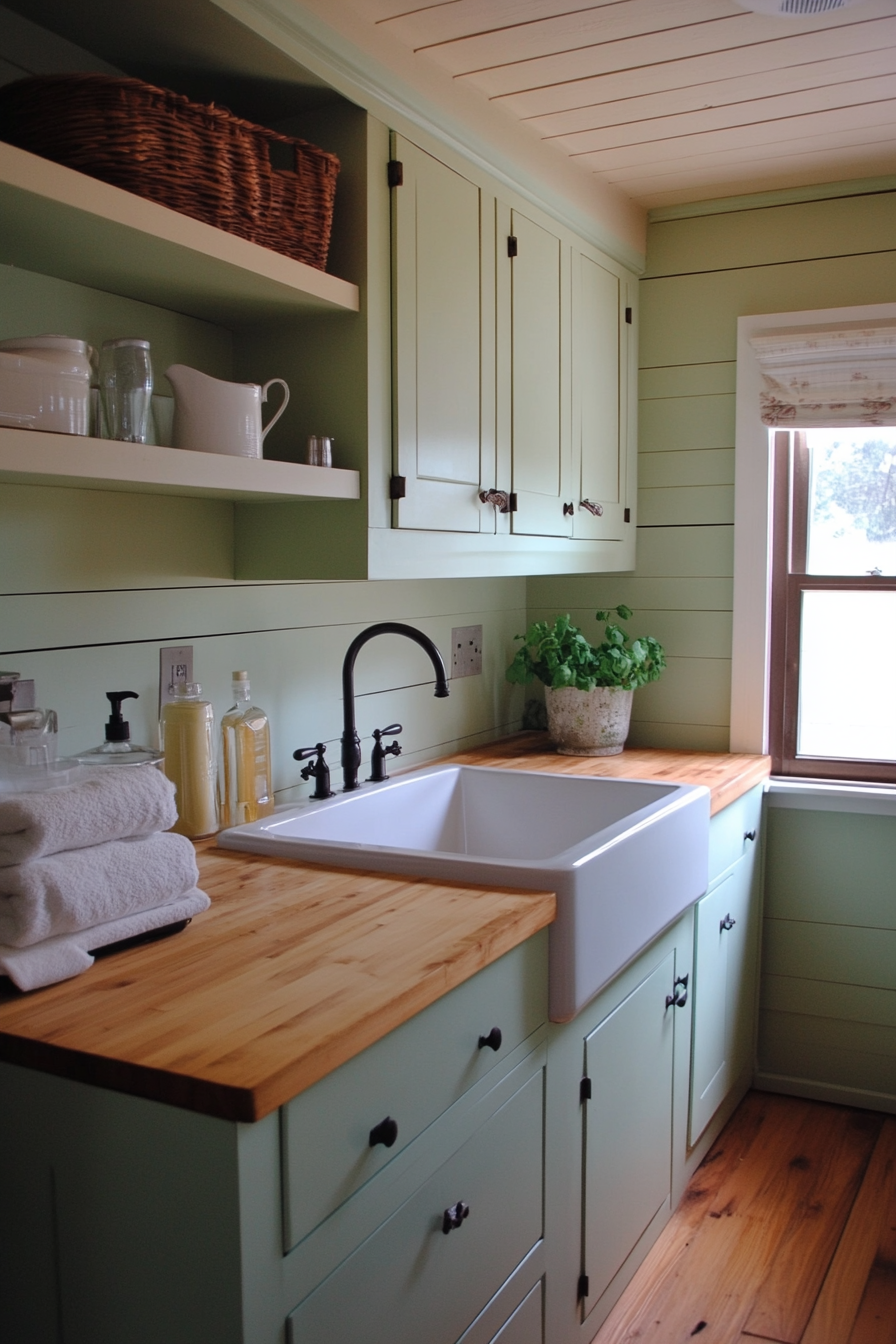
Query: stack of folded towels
[88,865]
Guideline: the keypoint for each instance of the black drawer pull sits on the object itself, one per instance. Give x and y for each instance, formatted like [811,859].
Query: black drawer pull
[454,1216]
[492,1040]
[749,835]
[386,1132]
[679,996]
[726,923]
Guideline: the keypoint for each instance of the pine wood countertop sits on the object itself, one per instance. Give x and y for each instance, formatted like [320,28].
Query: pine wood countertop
[297,968]
[293,970]
[727,775]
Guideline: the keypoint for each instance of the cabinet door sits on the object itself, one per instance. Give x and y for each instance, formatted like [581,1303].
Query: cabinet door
[597,404]
[724,990]
[540,394]
[443,325]
[628,1126]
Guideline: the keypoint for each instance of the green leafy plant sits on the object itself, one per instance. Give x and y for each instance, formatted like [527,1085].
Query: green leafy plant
[558,654]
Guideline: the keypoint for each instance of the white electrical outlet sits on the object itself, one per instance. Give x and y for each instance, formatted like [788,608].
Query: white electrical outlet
[174,665]
[466,651]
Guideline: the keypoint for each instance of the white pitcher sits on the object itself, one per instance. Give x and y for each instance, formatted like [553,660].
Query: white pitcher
[213,416]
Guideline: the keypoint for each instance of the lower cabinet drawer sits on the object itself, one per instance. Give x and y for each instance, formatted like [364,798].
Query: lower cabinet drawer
[526,1324]
[407,1079]
[734,832]
[411,1280]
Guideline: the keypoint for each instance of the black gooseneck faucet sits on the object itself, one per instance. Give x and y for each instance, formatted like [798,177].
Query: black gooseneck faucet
[351,744]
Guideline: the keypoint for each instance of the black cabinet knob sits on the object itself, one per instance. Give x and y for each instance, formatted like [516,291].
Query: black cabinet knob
[679,996]
[726,923]
[749,835]
[493,1039]
[454,1216]
[386,1132]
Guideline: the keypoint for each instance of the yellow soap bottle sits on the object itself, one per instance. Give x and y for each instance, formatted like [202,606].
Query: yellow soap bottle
[187,732]
[247,792]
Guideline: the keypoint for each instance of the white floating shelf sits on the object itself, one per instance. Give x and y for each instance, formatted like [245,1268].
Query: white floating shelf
[32,457]
[63,223]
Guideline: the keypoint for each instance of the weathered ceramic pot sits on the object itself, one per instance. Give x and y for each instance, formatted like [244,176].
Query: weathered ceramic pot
[588,723]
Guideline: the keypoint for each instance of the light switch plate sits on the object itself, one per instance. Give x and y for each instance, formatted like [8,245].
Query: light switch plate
[175,664]
[466,651]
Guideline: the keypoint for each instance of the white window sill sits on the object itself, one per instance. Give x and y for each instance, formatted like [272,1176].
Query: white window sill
[816,795]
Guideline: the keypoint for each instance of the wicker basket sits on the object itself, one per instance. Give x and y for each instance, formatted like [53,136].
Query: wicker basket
[200,160]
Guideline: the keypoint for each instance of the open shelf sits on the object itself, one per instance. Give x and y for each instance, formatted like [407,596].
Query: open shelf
[63,223]
[33,457]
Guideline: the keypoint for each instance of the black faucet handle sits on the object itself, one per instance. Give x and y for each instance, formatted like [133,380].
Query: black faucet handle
[318,770]
[378,755]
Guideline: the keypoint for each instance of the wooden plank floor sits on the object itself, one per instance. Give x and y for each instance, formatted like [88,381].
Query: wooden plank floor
[786,1233]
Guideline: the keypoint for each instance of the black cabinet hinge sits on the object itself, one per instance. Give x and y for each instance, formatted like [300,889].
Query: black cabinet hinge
[627,515]
[583,1287]
[628,316]
[585,1089]
[512,246]
[397,487]
[395,173]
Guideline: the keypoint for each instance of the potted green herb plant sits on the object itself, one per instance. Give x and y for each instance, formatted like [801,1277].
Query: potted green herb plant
[588,687]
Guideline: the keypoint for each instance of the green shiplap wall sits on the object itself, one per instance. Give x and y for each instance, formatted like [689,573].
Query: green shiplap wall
[92,584]
[703,272]
[827,1022]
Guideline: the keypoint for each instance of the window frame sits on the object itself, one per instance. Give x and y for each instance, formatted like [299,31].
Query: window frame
[753,532]
[789,581]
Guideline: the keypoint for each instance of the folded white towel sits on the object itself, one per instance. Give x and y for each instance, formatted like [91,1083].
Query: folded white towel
[79,888]
[67,955]
[110,805]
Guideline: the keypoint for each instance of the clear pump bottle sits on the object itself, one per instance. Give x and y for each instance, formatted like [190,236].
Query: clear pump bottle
[187,732]
[246,793]
[118,749]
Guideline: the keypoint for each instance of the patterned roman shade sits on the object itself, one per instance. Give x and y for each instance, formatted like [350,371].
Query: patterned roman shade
[829,375]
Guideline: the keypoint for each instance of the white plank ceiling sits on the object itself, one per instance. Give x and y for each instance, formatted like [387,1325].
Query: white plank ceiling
[676,100]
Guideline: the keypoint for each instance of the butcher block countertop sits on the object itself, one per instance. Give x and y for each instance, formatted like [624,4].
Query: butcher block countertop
[727,775]
[296,968]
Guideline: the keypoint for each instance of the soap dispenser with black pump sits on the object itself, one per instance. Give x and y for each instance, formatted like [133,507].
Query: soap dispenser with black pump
[118,749]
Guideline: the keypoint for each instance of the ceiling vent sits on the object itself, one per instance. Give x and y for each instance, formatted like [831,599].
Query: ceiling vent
[795,9]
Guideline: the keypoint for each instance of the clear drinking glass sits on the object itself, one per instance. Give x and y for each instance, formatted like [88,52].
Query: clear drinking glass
[125,389]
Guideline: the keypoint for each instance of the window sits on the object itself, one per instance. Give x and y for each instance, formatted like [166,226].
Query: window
[796,371]
[832,692]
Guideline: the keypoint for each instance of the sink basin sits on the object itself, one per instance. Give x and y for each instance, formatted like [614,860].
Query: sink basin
[625,857]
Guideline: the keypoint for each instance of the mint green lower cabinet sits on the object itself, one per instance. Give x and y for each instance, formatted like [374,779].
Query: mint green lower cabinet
[724,991]
[411,1280]
[410,1076]
[526,1324]
[726,957]
[616,1111]
[125,1219]
[628,1125]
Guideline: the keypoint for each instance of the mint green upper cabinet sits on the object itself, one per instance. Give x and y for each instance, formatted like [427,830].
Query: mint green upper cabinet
[443,320]
[600,365]
[538,378]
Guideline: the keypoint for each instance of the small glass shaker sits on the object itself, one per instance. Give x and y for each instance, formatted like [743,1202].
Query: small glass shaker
[125,389]
[319,452]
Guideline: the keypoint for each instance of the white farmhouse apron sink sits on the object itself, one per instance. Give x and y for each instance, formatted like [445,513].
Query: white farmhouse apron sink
[625,857]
